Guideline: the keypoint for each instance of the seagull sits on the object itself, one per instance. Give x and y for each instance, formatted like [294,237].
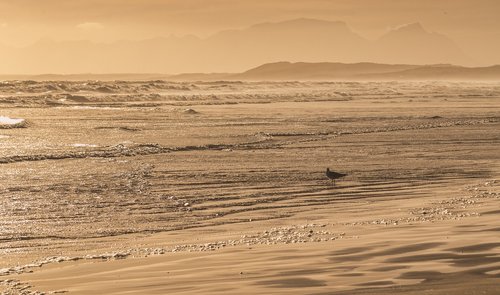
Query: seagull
[334,175]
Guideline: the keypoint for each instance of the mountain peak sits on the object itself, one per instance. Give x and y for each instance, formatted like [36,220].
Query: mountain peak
[312,21]
[411,28]
[301,22]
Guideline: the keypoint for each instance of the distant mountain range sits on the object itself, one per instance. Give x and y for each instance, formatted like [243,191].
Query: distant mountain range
[306,40]
[318,71]
[286,71]
[301,71]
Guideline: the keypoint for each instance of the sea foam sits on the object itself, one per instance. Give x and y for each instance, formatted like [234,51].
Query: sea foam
[10,121]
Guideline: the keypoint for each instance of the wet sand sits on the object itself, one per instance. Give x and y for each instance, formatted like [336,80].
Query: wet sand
[189,188]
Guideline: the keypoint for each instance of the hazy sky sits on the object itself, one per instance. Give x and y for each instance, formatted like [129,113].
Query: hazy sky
[473,24]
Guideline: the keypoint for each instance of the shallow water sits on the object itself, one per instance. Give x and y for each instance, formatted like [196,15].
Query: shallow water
[69,178]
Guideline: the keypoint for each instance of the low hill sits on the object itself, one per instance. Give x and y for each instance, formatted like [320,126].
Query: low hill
[365,71]
[315,71]
[302,71]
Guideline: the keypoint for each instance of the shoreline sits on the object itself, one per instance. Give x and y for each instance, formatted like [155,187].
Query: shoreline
[294,239]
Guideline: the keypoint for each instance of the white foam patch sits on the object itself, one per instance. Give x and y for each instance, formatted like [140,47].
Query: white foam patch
[10,121]
[83,145]
[91,108]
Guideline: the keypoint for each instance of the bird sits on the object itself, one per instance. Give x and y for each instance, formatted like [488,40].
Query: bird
[332,175]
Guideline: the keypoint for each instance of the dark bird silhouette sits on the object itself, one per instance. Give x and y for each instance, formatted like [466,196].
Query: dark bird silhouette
[332,175]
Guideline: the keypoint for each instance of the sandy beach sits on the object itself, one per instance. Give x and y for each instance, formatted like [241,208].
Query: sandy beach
[219,188]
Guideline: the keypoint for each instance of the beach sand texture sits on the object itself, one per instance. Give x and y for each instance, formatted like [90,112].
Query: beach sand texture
[219,188]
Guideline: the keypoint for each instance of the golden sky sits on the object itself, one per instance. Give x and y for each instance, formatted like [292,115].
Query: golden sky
[473,24]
